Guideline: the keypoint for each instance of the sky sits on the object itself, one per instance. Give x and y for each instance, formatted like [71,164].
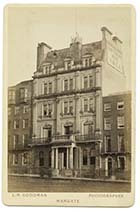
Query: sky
[26,26]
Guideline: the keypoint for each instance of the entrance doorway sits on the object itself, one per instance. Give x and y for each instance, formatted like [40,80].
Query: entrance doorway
[110,164]
[62,158]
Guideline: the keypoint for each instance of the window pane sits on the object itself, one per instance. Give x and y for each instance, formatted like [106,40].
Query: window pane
[107,123]
[71,107]
[120,122]
[50,87]
[65,107]
[90,81]
[107,107]
[85,105]
[45,88]
[71,84]
[85,82]
[65,85]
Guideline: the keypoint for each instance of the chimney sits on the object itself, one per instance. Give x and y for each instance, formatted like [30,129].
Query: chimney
[42,51]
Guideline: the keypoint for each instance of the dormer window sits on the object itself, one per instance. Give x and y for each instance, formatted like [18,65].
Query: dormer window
[47,68]
[87,60]
[68,63]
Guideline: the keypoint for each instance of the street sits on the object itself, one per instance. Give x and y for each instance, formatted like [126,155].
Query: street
[32,184]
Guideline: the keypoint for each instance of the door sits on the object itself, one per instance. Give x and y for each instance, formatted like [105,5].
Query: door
[110,167]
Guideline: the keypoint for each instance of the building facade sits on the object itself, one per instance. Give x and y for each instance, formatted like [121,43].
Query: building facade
[68,89]
[116,148]
[19,126]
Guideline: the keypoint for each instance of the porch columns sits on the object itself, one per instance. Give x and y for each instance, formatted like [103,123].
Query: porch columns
[71,158]
[80,159]
[56,158]
[52,159]
[67,165]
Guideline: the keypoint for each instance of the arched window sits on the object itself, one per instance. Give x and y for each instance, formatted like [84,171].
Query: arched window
[41,158]
[84,157]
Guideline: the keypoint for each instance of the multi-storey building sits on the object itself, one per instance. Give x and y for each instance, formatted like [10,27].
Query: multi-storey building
[116,148]
[19,126]
[67,110]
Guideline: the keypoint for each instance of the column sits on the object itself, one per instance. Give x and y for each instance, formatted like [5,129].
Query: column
[56,158]
[52,159]
[71,158]
[62,158]
[80,159]
[67,158]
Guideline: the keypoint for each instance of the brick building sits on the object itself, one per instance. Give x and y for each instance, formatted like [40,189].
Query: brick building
[116,148]
[19,126]
[68,89]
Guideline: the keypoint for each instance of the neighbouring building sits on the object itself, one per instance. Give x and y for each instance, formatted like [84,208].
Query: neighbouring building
[19,127]
[116,148]
[68,89]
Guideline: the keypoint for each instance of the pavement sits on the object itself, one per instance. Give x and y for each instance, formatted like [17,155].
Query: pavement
[37,184]
[73,178]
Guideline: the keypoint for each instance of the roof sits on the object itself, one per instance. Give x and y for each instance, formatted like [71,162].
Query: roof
[75,52]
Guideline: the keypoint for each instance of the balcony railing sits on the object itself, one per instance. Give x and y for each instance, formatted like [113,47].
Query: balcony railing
[39,141]
[63,138]
[85,137]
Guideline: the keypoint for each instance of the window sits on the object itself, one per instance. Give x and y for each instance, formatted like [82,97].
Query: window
[121,144]
[65,107]
[15,159]
[107,106]
[68,64]
[87,62]
[120,122]
[16,124]
[90,81]
[25,93]
[47,110]
[50,87]
[88,130]
[121,163]
[48,69]
[92,157]
[107,123]
[71,107]
[85,82]
[25,123]
[9,111]
[16,141]
[45,88]
[85,157]
[120,105]
[91,105]
[24,159]
[25,140]
[25,109]
[16,110]
[65,85]
[71,84]
[41,158]
[108,143]
[11,96]
[85,105]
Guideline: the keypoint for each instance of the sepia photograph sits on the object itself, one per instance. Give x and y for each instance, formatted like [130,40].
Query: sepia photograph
[69,73]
